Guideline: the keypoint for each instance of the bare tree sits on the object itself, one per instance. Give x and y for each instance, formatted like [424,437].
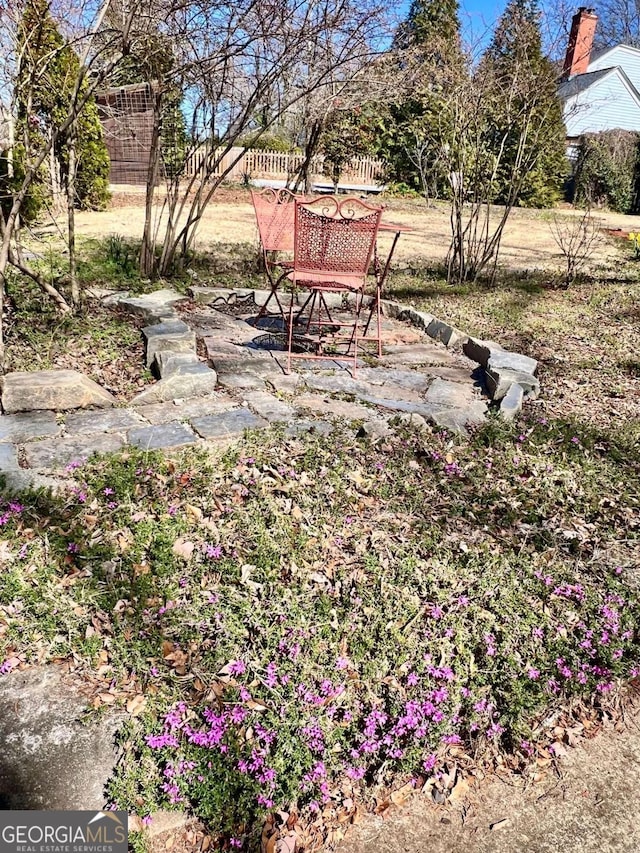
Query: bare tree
[81,24]
[242,67]
[577,237]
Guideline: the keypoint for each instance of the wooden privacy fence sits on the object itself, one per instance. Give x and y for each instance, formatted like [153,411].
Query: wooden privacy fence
[280,166]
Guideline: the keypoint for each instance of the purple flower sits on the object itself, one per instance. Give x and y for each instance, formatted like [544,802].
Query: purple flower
[72,548]
[430,762]
[237,667]
[533,674]
[342,663]
[214,552]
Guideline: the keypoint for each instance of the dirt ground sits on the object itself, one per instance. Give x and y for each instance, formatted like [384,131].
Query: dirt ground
[590,805]
[528,242]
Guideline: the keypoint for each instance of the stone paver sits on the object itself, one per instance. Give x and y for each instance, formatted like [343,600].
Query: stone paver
[268,406]
[188,380]
[417,354]
[8,458]
[182,410]
[52,758]
[28,425]
[52,389]
[161,436]
[512,361]
[54,454]
[412,380]
[172,335]
[241,381]
[227,424]
[152,306]
[169,362]
[114,420]
[333,408]
[451,394]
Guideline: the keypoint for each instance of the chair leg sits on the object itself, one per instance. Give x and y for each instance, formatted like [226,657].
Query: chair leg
[356,323]
[379,316]
[290,336]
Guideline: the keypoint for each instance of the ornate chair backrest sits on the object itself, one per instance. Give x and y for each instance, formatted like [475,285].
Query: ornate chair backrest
[275,216]
[335,235]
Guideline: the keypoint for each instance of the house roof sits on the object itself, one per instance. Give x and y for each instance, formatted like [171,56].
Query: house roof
[580,82]
[597,55]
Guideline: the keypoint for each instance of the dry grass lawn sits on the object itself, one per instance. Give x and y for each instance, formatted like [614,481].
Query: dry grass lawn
[528,242]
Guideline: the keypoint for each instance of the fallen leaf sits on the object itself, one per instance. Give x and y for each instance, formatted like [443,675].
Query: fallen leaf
[183,548]
[136,705]
[402,794]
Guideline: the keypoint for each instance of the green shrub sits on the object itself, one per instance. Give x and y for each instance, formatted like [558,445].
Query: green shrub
[606,172]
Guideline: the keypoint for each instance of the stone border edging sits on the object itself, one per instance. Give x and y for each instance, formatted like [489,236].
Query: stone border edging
[509,376]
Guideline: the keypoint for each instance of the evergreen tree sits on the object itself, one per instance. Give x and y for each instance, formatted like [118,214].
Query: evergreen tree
[428,46]
[524,116]
[46,77]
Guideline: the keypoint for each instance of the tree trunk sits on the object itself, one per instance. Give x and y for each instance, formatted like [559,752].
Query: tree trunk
[147,250]
[71,216]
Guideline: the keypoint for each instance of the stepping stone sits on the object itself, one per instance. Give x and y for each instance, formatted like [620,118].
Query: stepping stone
[409,379]
[57,390]
[151,306]
[463,375]
[27,426]
[53,454]
[227,424]
[8,458]
[183,410]
[450,394]
[338,383]
[172,335]
[52,757]
[207,295]
[333,408]
[286,384]
[161,436]
[426,354]
[241,381]
[169,362]
[491,355]
[269,407]
[190,380]
[116,420]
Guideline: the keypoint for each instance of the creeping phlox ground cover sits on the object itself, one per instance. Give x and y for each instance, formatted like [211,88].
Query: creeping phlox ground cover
[303,621]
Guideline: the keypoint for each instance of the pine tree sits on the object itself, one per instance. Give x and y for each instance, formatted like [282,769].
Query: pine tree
[525,114]
[46,77]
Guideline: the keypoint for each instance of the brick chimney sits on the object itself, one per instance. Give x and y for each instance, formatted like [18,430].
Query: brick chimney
[583,28]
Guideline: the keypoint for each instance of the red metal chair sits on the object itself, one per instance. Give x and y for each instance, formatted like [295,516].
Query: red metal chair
[274,210]
[333,247]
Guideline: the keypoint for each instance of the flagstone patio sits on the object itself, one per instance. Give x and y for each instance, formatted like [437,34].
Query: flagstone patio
[219,374]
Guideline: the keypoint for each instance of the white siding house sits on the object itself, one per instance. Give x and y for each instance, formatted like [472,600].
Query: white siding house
[601,99]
